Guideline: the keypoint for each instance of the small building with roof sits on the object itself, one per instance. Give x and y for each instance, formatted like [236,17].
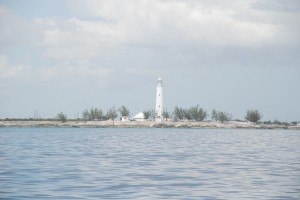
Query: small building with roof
[139,117]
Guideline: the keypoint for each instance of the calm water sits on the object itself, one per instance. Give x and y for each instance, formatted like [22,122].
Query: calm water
[38,163]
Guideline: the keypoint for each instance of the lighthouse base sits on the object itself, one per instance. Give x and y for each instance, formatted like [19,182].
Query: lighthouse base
[158,119]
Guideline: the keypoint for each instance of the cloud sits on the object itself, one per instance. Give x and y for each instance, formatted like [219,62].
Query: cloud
[101,29]
[181,22]
[7,70]
[278,5]
[8,28]
[15,30]
[106,49]
[142,34]
[74,39]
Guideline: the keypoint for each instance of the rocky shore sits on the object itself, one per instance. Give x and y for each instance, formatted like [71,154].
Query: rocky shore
[144,124]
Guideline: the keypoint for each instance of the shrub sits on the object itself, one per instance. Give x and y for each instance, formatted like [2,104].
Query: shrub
[220,116]
[197,113]
[253,116]
[93,114]
[112,113]
[277,122]
[187,114]
[124,111]
[193,113]
[166,114]
[214,115]
[223,116]
[178,113]
[149,114]
[294,123]
[62,117]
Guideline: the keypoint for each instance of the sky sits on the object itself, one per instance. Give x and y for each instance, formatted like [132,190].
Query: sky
[71,55]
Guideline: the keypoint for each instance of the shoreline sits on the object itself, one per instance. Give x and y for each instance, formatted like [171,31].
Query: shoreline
[144,124]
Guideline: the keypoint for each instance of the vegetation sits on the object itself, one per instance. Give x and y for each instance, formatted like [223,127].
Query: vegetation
[166,114]
[253,116]
[294,123]
[93,114]
[149,114]
[197,113]
[221,116]
[178,113]
[187,114]
[124,111]
[214,115]
[112,113]
[61,117]
[281,123]
[193,113]
[152,114]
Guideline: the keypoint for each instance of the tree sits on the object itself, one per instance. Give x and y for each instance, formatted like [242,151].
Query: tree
[93,114]
[112,113]
[253,116]
[147,114]
[187,114]
[196,113]
[96,114]
[223,116]
[220,116]
[85,114]
[62,117]
[178,113]
[193,113]
[214,115]
[152,114]
[166,114]
[124,111]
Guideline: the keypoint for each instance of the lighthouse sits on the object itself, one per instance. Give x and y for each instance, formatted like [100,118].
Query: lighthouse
[159,101]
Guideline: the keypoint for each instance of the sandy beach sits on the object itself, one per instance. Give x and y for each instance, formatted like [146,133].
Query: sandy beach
[144,124]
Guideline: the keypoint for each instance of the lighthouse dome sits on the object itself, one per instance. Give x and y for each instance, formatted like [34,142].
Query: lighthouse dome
[159,82]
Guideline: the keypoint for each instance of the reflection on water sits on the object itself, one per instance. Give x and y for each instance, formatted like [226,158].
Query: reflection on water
[149,164]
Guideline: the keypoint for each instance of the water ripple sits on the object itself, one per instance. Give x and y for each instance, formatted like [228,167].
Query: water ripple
[149,164]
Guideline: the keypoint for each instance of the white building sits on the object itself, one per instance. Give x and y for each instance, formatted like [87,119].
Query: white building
[139,117]
[125,119]
[159,101]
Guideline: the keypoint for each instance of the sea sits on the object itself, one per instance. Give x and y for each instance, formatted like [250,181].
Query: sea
[149,163]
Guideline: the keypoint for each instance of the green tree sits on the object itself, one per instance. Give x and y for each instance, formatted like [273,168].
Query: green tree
[196,113]
[294,123]
[178,113]
[61,117]
[223,116]
[124,111]
[166,114]
[214,115]
[85,114]
[112,113]
[253,115]
[152,114]
[147,114]
[93,114]
[187,114]
[96,114]
[193,113]
[220,116]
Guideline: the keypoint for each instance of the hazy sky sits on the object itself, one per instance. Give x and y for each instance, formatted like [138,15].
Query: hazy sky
[231,55]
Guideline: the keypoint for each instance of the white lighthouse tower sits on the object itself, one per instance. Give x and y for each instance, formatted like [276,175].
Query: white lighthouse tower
[159,101]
